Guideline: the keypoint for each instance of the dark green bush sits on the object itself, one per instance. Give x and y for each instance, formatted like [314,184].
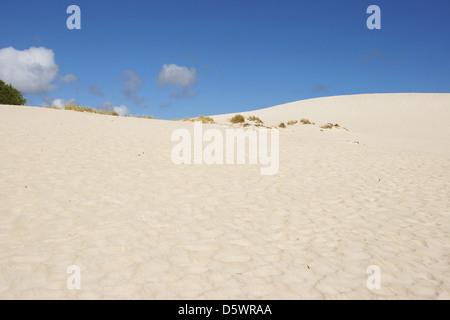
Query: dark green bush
[10,95]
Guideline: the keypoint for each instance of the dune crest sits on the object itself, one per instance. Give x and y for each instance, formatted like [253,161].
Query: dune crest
[417,121]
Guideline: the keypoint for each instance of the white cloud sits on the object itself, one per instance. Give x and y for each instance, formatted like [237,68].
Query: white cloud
[69,78]
[122,110]
[30,70]
[178,76]
[132,86]
[60,103]
[174,75]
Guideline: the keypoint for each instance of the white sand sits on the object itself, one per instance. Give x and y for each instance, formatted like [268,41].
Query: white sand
[101,192]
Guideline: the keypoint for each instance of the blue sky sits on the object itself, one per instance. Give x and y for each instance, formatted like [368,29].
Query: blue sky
[240,55]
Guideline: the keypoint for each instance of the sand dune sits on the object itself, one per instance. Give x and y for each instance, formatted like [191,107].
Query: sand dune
[417,121]
[101,192]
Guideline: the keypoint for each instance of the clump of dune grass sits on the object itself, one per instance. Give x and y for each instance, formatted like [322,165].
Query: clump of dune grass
[143,117]
[305,121]
[282,125]
[330,126]
[203,119]
[237,119]
[255,120]
[292,122]
[74,107]
[53,107]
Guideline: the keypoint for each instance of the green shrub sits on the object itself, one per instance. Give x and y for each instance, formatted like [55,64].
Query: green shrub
[10,95]
[237,119]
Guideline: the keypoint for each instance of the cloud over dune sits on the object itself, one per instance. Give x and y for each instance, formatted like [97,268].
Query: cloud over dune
[174,75]
[177,76]
[30,70]
[122,110]
[60,103]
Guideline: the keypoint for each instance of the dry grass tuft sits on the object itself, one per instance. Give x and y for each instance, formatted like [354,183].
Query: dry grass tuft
[306,121]
[237,119]
[330,126]
[74,107]
[203,119]
[255,120]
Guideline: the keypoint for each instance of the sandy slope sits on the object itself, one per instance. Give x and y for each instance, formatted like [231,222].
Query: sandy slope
[101,192]
[417,121]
